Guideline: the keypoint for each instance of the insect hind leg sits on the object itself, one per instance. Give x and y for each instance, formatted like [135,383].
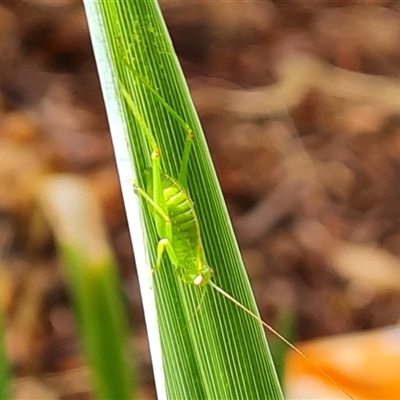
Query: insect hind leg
[160,250]
[170,110]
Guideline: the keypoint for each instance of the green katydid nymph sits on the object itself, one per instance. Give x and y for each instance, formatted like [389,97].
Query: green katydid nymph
[175,216]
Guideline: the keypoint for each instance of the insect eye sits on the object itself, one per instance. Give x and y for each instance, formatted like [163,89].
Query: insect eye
[198,280]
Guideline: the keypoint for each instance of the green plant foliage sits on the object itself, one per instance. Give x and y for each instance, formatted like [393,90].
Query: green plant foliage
[218,352]
[92,275]
[5,373]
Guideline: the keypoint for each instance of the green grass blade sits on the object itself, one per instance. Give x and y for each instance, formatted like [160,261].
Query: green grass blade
[5,372]
[219,352]
[91,272]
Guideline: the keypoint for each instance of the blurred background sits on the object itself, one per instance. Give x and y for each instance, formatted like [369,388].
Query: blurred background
[300,103]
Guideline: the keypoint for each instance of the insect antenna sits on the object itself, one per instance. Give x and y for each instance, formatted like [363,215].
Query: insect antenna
[277,334]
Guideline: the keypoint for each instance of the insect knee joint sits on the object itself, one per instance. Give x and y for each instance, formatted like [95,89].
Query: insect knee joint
[190,134]
[164,242]
[154,269]
[155,154]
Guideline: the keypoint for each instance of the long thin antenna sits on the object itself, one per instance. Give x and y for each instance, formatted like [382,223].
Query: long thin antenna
[277,334]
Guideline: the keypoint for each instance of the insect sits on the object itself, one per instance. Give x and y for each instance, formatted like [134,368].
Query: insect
[176,220]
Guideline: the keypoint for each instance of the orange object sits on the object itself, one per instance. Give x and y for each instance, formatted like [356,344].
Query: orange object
[366,365]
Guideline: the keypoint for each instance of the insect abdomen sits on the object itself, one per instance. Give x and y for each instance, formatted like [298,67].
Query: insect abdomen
[185,228]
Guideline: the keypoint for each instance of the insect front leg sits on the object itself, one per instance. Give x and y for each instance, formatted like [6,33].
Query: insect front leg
[161,218]
[162,245]
[141,192]
[164,230]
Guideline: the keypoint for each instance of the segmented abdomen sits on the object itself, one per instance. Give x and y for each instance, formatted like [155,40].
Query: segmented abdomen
[185,227]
